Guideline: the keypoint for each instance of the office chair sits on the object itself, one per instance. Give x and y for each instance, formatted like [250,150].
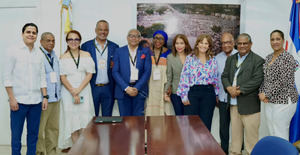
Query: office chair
[274,146]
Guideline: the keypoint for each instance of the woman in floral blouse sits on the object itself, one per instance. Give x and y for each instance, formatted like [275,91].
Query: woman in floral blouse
[198,81]
[278,90]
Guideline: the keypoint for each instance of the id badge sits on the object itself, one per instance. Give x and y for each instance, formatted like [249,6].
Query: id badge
[101,64]
[134,74]
[53,78]
[156,74]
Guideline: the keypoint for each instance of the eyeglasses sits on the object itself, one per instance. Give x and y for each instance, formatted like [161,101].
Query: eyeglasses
[131,36]
[243,43]
[159,38]
[73,40]
[226,42]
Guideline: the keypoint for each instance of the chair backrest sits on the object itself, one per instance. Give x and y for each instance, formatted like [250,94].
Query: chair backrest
[274,146]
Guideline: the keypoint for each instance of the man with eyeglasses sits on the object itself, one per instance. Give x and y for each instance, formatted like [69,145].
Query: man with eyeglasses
[25,83]
[227,41]
[241,78]
[102,83]
[131,71]
[48,132]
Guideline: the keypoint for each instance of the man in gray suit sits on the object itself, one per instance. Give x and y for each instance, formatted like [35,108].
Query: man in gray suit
[241,78]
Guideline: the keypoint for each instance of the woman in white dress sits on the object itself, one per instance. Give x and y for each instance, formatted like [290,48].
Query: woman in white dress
[76,108]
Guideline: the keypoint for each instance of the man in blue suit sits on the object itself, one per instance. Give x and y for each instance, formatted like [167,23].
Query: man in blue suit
[102,83]
[131,71]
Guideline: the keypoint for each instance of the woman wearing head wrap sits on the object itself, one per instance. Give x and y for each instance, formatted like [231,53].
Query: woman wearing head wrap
[155,102]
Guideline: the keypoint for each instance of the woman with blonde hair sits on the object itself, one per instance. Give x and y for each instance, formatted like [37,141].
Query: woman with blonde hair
[198,81]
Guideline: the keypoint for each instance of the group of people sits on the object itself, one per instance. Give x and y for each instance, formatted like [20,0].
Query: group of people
[59,96]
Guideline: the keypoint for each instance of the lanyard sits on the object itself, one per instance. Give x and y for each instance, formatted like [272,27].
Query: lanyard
[132,61]
[76,63]
[50,61]
[156,62]
[101,53]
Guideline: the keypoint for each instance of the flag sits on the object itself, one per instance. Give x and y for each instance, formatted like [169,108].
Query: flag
[294,48]
[65,22]
[66,8]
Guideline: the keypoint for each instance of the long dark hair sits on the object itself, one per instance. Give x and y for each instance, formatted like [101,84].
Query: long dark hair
[278,31]
[187,49]
[72,31]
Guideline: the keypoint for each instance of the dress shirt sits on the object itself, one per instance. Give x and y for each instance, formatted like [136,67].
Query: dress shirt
[102,77]
[24,71]
[132,66]
[196,73]
[221,60]
[233,101]
[53,89]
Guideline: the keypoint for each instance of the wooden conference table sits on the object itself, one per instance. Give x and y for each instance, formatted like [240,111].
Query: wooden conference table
[166,135]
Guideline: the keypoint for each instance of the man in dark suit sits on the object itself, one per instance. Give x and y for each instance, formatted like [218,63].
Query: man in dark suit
[131,71]
[241,78]
[102,83]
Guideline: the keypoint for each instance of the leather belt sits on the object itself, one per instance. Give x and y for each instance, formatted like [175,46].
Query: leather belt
[101,85]
[132,84]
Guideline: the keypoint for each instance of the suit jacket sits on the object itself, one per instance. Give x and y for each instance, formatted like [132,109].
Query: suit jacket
[89,46]
[174,69]
[249,79]
[121,70]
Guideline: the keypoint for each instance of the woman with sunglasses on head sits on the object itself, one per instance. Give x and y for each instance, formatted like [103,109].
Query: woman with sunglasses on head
[155,104]
[278,90]
[180,49]
[76,107]
[198,81]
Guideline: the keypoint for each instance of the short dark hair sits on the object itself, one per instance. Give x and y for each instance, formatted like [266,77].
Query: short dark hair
[29,24]
[102,21]
[278,31]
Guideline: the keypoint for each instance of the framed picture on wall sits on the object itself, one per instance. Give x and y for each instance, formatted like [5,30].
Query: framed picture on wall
[189,19]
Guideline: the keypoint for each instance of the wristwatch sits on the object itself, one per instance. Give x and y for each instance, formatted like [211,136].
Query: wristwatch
[46,96]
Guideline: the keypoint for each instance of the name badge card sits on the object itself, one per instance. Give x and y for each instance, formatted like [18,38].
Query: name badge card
[156,74]
[53,77]
[134,74]
[101,64]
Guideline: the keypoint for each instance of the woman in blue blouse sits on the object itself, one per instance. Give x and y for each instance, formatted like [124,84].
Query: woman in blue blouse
[198,81]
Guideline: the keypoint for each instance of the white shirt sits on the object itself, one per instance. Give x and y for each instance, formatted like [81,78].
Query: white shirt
[132,66]
[24,71]
[233,101]
[221,60]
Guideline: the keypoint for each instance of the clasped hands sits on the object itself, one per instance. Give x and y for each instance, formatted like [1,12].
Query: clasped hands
[75,93]
[132,91]
[262,97]
[234,91]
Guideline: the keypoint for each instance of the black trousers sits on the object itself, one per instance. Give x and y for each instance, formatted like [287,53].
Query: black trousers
[202,102]
[224,112]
